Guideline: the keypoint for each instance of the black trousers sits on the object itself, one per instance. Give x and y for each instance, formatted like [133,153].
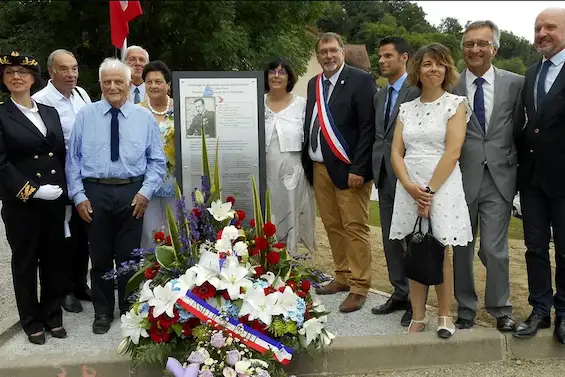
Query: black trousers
[76,248]
[112,234]
[541,212]
[35,233]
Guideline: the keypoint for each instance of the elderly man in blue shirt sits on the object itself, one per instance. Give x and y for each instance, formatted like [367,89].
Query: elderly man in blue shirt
[115,163]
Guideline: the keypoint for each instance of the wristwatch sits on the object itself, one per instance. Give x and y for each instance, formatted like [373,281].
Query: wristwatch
[429,190]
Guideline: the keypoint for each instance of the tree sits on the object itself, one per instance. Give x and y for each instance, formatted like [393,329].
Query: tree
[450,25]
[192,35]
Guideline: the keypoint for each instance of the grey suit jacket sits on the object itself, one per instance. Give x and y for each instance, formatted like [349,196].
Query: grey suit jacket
[385,132]
[496,149]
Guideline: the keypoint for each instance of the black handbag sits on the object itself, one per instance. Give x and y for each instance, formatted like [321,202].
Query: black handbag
[424,257]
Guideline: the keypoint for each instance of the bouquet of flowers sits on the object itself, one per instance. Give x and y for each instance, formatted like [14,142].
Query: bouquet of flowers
[213,288]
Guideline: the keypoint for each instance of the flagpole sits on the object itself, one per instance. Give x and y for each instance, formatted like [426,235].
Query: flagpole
[124,48]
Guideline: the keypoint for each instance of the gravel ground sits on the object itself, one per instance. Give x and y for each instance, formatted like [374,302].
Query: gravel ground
[7,299]
[508,368]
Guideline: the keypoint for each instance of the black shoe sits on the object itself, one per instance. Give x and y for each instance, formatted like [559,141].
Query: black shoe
[505,324]
[531,326]
[559,332]
[71,304]
[59,333]
[85,295]
[391,306]
[463,324]
[37,339]
[102,324]
[406,318]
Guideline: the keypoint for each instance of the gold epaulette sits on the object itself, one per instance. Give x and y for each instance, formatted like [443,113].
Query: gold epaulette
[26,192]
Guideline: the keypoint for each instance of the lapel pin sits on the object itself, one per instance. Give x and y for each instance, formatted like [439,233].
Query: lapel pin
[342,82]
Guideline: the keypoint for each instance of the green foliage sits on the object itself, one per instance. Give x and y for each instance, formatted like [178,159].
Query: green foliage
[187,35]
[515,65]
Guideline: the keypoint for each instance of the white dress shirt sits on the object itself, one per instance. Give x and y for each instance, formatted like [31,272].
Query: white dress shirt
[317,156]
[141,89]
[557,63]
[33,116]
[66,107]
[488,91]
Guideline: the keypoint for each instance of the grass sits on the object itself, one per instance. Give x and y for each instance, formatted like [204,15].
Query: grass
[514,230]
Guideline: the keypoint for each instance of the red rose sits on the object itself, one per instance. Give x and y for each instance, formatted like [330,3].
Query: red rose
[240,215]
[269,290]
[252,223]
[273,257]
[220,232]
[159,237]
[270,229]
[261,243]
[186,329]
[205,291]
[281,289]
[226,295]
[167,337]
[231,199]
[301,294]
[150,273]
[253,251]
[169,241]
[196,212]
[292,285]
[305,285]
[259,271]
[279,245]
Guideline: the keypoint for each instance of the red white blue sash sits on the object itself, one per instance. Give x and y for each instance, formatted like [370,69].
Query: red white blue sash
[333,137]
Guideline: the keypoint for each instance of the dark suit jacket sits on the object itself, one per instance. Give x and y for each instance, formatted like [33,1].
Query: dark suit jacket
[541,143]
[351,106]
[27,158]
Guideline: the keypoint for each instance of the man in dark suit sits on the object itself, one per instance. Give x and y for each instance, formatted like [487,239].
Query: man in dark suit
[339,128]
[203,119]
[393,55]
[541,161]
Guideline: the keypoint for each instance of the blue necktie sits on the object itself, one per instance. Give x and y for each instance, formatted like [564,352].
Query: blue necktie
[114,135]
[541,83]
[136,98]
[479,103]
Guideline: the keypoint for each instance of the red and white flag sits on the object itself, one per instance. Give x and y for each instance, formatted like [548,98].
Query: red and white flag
[121,13]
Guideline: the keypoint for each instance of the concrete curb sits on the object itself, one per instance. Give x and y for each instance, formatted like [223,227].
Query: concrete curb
[9,327]
[347,355]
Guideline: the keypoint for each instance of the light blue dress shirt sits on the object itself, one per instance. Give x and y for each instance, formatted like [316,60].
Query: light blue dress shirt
[557,64]
[396,86]
[141,148]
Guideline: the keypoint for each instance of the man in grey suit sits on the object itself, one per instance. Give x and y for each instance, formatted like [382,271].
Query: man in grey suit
[488,164]
[393,55]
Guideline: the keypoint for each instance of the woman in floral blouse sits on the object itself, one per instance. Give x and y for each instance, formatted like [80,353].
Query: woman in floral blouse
[157,77]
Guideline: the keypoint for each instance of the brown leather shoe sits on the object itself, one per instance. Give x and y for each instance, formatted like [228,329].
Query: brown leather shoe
[352,303]
[332,288]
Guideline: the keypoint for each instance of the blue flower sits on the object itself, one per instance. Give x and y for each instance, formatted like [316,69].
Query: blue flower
[183,314]
[143,308]
[260,284]
[298,314]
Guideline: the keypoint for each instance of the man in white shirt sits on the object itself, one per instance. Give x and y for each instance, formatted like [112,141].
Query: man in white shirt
[488,164]
[67,98]
[136,58]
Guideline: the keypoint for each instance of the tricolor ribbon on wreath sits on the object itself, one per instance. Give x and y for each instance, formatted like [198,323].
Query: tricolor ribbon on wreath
[251,338]
[333,137]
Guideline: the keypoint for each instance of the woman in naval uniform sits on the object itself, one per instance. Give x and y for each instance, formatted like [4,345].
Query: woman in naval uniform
[33,191]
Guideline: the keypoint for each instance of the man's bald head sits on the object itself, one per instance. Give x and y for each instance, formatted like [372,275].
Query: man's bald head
[550,32]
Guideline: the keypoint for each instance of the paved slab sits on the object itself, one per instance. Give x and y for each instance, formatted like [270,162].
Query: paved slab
[7,299]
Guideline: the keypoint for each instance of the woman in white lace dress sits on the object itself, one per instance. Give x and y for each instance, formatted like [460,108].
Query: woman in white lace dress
[425,152]
[292,198]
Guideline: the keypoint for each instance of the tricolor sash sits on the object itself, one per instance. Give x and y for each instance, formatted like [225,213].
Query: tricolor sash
[333,137]
[251,338]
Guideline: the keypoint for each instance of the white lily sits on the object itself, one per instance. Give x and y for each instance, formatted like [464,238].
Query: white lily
[278,283]
[234,277]
[164,300]
[185,282]
[269,277]
[259,306]
[312,328]
[223,245]
[240,249]
[221,211]
[230,233]
[326,337]
[286,302]
[146,292]
[131,326]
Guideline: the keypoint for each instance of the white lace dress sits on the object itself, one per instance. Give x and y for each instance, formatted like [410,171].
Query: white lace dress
[424,130]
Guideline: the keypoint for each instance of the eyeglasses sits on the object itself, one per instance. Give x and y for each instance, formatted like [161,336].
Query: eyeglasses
[333,51]
[279,72]
[480,44]
[20,72]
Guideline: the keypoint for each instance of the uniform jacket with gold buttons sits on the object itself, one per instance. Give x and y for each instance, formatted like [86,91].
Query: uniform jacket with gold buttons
[27,158]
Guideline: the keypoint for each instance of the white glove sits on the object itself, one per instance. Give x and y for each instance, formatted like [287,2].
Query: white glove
[68,213]
[48,192]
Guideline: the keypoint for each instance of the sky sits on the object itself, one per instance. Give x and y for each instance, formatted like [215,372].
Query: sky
[515,16]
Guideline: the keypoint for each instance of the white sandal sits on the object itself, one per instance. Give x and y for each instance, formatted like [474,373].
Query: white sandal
[424,322]
[446,330]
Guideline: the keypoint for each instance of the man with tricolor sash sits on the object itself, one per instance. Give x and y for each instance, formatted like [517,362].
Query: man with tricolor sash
[339,132]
